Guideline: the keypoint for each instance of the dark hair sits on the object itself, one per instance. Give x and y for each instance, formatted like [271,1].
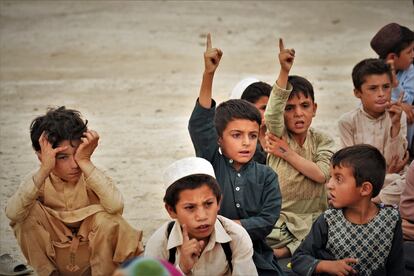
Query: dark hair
[191,182]
[366,162]
[235,109]
[369,66]
[59,124]
[407,37]
[301,85]
[255,91]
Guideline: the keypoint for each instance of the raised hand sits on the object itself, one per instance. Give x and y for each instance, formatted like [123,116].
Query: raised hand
[190,251]
[286,57]
[276,145]
[88,144]
[396,164]
[47,154]
[395,111]
[212,56]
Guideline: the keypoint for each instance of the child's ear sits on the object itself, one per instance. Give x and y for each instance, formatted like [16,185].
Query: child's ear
[357,93]
[366,188]
[219,140]
[315,107]
[391,56]
[171,211]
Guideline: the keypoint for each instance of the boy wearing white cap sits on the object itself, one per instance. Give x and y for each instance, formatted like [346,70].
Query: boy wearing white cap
[199,242]
[227,137]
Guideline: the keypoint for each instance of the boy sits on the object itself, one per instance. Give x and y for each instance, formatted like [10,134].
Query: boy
[377,122]
[199,242]
[66,215]
[356,236]
[257,93]
[299,154]
[227,137]
[395,44]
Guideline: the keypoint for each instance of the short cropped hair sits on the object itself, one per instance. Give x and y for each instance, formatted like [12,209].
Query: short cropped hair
[255,91]
[367,164]
[301,85]
[58,124]
[232,110]
[191,182]
[367,67]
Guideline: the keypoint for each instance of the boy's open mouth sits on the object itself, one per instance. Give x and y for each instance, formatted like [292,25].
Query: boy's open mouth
[299,124]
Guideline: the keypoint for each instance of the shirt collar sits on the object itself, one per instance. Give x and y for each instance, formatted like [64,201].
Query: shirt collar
[361,107]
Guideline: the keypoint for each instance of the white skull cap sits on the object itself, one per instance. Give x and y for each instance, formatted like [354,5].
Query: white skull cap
[186,167]
[238,90]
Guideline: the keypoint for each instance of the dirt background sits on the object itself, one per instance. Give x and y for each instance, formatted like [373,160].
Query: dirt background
[134,68]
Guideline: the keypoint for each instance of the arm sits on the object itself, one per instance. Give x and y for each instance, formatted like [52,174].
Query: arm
[316,169]
[280,92]
[260,225]
[109,196]
[19,205]
[242,254]
[201,124]
[346,131]
[395,262]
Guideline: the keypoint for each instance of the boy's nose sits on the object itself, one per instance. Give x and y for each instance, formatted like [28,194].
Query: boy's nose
[73,163]
[201,214]
[246,140]
[329,184]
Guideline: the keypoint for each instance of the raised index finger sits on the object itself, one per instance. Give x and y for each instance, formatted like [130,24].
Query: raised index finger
[400,98]
[209,41]
[185,233]
[281,44]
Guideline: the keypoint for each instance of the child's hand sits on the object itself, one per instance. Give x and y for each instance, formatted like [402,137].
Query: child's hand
[396,165]
[47,154]
[339,267]
[286,57]
[409,112]
[87,146]
[276,145]
[395,111]
[190,251]
[212,57]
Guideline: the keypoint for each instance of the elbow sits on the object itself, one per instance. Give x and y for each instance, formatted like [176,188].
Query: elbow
[115,208]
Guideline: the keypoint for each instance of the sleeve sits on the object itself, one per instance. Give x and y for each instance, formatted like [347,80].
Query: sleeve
[312,249]
[275,107]
[395,262]
[203,132]
[407,195]
[323,154]
[242,255]
[346,131]
[260,225]
[109,196]
[406,84]
[19,205]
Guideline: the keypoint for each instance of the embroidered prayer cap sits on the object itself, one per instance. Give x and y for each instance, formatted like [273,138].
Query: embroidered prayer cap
[387,38]
[141,266]
[186,167]
[238,90]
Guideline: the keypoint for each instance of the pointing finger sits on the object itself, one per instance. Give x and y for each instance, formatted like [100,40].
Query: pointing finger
[400,98]
[185,233]
[281,44]
[208,41]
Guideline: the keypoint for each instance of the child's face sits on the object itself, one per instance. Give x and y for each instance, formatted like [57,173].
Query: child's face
[66,167]
[405,59]
[238,141]
[261,104]
[342,188]
[298,114]
[375,94]
[197,209]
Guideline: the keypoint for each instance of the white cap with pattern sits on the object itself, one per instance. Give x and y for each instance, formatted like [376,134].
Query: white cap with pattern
[186,167]
[238,90]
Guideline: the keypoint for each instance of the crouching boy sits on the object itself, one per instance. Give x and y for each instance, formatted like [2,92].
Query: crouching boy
[66,215]
[198,241]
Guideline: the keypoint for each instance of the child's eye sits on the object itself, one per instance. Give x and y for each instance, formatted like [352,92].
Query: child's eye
[189,208]
[62,157]
[305,105]
[208,204]
[253,136]
[288,108]
[235,135]
[386,86]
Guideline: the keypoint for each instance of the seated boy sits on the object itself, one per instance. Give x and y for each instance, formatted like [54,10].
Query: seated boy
[298,153]
[227,137]
[407,205]
[257,93]
[377,122]
[356,236]
[66,215]
[395,44]
[199,242]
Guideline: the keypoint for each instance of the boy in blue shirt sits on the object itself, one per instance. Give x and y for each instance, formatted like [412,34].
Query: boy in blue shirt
[227,137]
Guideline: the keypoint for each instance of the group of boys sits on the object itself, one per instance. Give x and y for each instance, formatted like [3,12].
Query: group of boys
[257,190]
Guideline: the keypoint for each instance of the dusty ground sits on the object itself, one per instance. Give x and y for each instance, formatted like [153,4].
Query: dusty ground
[133,69]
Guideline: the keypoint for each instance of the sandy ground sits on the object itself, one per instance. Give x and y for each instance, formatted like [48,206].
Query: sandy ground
[133,69]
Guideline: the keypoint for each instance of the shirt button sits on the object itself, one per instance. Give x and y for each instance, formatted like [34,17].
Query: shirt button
[238,175]
[238,205]
[237,188]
